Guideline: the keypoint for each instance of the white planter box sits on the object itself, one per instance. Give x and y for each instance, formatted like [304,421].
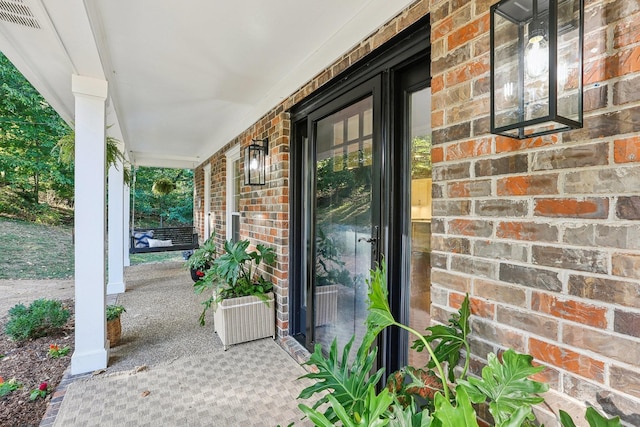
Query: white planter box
[326,305]
[244,319]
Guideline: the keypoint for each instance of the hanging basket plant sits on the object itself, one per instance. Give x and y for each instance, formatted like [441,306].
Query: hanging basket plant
[163,186]
[114,156]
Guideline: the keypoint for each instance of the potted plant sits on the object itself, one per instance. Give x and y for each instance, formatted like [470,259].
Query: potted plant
[243,300]
[114,328]
[441,393]
[201,259]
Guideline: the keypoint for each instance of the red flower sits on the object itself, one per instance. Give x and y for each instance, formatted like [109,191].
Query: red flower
[199,273]
[43,387]
[54,347]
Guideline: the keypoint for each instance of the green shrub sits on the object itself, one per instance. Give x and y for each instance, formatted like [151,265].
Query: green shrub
[8,386]
[40,319]
[114,311]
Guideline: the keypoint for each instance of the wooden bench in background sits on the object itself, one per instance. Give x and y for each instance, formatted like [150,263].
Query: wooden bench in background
[182,238]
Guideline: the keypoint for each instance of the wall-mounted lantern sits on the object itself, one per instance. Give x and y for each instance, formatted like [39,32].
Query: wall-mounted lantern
[536,67]
[255,156]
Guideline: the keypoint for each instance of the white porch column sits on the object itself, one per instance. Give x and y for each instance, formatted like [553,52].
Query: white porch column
[91,348]
[126,218]
[115,226]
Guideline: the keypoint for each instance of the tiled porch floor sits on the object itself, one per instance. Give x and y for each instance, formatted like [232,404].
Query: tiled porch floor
[170,371]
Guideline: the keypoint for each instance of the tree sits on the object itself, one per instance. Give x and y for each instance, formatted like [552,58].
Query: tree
[153,208]
[29,130]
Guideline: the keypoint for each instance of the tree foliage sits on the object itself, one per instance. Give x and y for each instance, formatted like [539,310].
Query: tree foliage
[29,131]
[421,157]
[155,208]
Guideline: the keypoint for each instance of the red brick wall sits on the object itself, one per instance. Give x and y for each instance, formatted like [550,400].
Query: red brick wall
[543,233]
[198,201]
[265,210]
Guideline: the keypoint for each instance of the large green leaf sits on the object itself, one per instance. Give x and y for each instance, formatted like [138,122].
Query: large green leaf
[593,417]
[379,313]
[373,412]
[506,385]
[460,415]
[316,417]
[410,416]
[375,408]
[229,265]
[347,383]
[450,340]
[264,254]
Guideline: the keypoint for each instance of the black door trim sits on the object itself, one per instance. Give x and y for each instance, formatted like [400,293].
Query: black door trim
[411,45]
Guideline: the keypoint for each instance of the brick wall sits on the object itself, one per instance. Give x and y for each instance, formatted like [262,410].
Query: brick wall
[543,233]
[265,210]
[198,202]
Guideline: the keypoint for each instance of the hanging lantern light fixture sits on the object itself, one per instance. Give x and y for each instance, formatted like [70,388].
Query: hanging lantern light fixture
[536,67]
[255,162]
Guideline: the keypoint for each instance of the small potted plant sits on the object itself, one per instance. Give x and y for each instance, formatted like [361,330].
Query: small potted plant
[114,327]
[242,299]
[201,259]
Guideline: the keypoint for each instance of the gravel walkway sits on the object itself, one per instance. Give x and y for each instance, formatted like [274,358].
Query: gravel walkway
[161,321]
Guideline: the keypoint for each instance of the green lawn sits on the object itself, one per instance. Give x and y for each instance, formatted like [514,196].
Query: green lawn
[155,257]
[36,251]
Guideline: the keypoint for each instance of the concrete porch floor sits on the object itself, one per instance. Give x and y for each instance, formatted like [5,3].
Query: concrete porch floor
[168,370]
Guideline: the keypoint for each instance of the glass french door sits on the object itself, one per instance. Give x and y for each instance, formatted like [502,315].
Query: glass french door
[361,178]
[343,228]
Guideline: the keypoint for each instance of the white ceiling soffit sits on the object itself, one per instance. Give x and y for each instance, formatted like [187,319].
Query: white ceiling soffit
[184,81]
[159,160]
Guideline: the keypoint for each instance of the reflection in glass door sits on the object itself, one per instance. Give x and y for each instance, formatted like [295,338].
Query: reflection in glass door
[342,224]
[419,131]
[361,192]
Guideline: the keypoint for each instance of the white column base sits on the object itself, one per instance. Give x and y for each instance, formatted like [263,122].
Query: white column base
[89,362]
[116,288]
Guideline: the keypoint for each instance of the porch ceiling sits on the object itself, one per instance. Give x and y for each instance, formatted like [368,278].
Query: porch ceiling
[184,77]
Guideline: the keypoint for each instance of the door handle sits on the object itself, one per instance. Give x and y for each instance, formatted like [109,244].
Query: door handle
[368,240]
[373,238]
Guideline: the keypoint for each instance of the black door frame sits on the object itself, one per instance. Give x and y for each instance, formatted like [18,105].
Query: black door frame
[409,47]
[405,79]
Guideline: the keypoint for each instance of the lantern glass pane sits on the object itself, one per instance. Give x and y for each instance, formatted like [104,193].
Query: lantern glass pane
[536,66]
[569,69]
[254,165]
[507,95]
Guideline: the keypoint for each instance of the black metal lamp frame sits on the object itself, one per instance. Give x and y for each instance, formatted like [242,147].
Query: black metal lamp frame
[523,128]
[255,156]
